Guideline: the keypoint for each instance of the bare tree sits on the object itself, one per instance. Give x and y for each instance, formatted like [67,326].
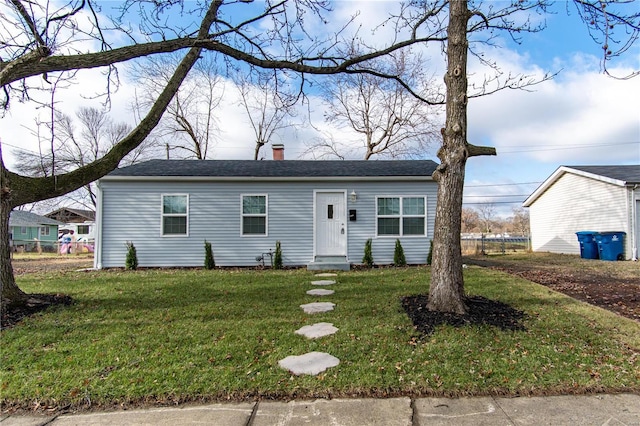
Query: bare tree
[486,213]
[604,17]
[470,219]
[389,121]
[189,124]
[520,221]
[77,143]
[41,39]
[268,107]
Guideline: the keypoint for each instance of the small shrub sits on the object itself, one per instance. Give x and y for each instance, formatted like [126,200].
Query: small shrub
[131,261]
[398,255]
[368,254]
[209,261]
[277,257]
[430,255]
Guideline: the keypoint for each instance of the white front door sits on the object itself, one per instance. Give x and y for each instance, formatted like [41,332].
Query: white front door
[330,224]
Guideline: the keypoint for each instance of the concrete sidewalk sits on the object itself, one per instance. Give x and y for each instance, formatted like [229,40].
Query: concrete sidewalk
[622,409]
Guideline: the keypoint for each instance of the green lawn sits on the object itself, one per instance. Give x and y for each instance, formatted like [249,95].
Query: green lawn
[192,335]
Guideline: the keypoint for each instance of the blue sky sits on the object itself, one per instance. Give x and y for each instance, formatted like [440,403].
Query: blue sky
[581,117]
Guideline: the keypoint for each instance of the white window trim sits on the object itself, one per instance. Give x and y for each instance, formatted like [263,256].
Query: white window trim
[401,216]
[45,231]
[265,215]
[163,215]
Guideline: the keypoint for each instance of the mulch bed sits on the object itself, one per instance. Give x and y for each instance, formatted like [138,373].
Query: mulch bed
[12,314]
[481,311]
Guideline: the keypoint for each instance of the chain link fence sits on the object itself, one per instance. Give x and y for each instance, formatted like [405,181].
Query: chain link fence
[55,247]
[494,245]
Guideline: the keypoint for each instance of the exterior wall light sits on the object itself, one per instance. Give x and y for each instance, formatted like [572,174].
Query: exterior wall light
[353,196]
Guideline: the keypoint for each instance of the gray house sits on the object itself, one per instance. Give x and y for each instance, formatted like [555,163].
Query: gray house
[322,212]
[585,198]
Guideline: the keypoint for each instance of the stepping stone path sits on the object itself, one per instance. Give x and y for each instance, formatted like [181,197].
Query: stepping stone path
[317,307]
[323,282]
[320,292]
[314,363]
[320,329]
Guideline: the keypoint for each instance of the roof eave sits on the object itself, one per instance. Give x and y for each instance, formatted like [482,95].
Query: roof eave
[262,178]
[560,171]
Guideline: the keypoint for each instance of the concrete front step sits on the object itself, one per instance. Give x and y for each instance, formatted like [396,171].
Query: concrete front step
[328,266]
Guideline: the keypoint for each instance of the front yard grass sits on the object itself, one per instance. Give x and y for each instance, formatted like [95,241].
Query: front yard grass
[175,336]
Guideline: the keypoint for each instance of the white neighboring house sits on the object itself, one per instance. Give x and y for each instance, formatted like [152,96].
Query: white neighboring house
[585,198]
[85,232]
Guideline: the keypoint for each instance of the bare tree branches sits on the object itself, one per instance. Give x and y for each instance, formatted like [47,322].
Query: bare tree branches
[388,120]
[267,106]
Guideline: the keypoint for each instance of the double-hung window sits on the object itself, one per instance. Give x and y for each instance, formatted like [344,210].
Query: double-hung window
[45,231]
[254,215]
[401,216]
[175,214]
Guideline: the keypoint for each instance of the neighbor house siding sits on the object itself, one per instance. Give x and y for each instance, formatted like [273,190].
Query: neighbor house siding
[132,212]
[576,203]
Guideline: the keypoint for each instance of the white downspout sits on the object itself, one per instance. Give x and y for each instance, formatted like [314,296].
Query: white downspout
[97,252]
[634,224]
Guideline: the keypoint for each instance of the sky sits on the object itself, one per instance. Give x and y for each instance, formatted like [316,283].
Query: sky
[580,117]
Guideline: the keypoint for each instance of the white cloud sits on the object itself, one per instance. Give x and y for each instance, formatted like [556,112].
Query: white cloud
[593,116]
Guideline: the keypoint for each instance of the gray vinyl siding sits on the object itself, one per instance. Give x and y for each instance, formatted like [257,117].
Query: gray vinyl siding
[576,203]
[131,211]
[416,248]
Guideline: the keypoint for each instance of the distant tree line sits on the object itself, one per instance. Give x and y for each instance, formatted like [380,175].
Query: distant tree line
[484,220]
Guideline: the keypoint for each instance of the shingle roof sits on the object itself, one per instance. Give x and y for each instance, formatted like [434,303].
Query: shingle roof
[278,169]
[22,218]
[627,174]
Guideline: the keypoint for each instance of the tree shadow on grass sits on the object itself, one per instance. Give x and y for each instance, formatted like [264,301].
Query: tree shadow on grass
[481,311]
[12,314]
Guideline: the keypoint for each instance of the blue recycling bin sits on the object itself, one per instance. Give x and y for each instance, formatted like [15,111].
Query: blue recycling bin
[611,245]
[588,244]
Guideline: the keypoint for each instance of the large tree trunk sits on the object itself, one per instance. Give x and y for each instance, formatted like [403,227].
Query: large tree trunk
[446,293]
[9,292]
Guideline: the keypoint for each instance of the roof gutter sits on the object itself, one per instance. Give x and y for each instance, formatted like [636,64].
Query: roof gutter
[261,178]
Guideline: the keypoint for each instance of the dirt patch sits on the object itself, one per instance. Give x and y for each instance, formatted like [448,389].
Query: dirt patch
[32,265]
[614,286]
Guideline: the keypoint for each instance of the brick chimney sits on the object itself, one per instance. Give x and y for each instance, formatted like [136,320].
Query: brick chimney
[278,151]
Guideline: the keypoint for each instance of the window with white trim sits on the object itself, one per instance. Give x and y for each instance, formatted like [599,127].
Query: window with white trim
[401,216]
[45,231]
[175,214]
[254,214]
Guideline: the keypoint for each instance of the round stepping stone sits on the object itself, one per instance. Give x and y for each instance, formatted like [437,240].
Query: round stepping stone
[327,274]
[320,292]
[323,282]
[312,363]
[317,307]
[315,331]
